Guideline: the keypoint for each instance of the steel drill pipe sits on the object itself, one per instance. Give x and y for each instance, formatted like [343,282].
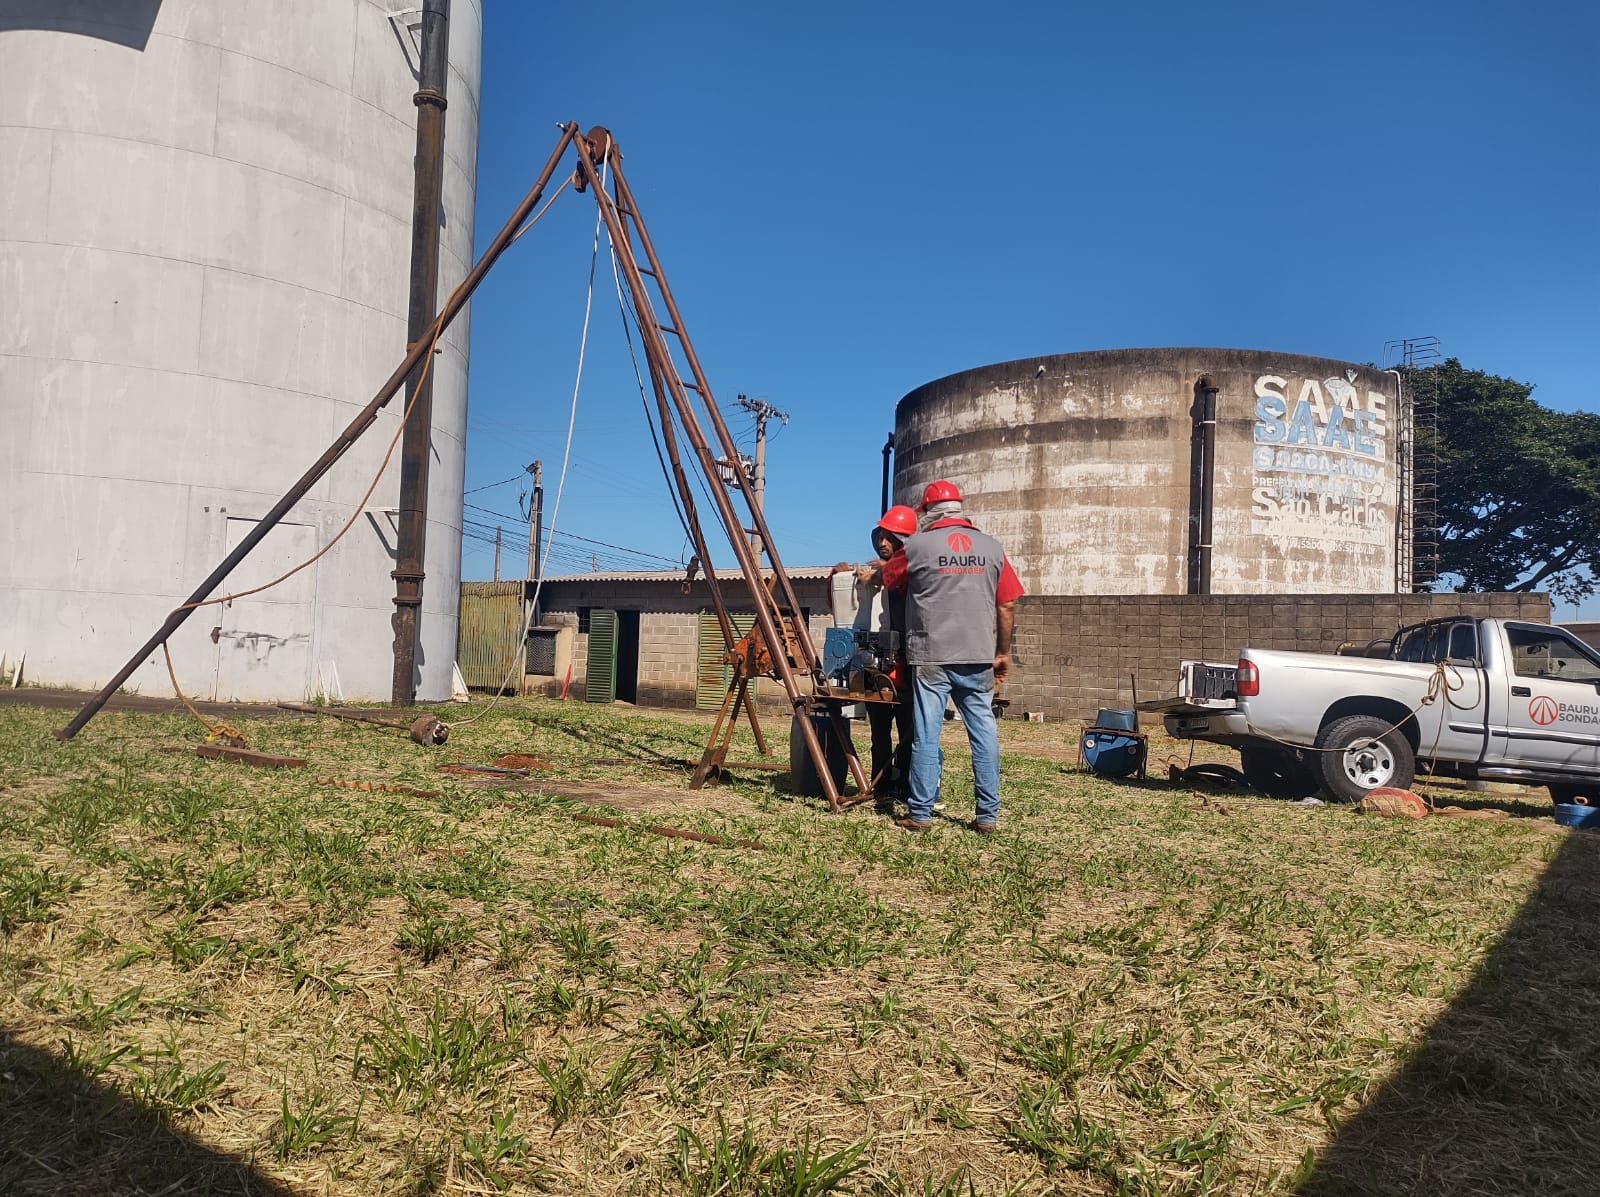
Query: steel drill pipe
[363,420]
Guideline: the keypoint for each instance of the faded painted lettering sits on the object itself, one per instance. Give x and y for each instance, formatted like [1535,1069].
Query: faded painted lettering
[1321,461]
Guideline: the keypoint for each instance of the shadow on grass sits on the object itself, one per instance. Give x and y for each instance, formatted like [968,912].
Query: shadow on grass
[64,1133]
[624,748]
[1502,1096]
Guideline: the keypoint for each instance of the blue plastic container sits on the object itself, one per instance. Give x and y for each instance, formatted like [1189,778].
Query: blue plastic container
[1113,753]
[1587,817]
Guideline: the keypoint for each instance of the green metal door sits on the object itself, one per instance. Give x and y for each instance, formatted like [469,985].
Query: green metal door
[711,675]
[600,682]
[489,636]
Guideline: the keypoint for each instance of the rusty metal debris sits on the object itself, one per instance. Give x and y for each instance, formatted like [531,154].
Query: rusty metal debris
[467,767]
[521,760]
[248,756]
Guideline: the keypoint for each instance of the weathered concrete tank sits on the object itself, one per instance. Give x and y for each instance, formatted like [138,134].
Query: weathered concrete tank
[1171,471]
[205,229]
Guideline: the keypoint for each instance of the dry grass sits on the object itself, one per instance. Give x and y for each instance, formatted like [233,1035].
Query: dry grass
[219,979]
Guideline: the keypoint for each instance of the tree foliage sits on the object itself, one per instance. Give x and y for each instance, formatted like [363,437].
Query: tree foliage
[1519,485]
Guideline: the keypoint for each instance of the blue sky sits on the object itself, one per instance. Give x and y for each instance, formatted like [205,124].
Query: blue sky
[851,200]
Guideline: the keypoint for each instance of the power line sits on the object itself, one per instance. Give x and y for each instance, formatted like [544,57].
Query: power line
[491,485]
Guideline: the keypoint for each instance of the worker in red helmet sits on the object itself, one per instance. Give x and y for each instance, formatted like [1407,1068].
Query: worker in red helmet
[961,594]
[891,760]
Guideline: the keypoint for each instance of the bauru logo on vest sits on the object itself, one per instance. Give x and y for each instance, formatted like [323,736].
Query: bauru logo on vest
[961,559]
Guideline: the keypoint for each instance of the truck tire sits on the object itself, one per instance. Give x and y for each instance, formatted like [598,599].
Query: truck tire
[1361,753]
[803,777]
[1275,771]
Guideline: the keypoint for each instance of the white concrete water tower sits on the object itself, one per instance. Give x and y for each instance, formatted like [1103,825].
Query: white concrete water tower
[205,239]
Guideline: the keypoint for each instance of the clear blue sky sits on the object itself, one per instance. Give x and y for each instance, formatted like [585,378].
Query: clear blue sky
[853,199]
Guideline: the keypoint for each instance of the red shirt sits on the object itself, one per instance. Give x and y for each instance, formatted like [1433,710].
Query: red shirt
[1008,591]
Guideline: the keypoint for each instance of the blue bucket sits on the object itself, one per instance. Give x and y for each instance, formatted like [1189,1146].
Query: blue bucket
[1113,753]
[1573,815]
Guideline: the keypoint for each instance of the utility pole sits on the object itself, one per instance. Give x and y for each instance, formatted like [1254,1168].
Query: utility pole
[535,520]
[535,534]
[763,411]
[412,526]
[497,553]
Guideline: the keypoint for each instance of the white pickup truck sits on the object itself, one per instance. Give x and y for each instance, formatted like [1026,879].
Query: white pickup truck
[1493,699]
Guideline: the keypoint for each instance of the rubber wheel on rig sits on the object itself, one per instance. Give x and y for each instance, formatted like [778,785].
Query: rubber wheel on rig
[803,777]
[1360,753]
[1275,772]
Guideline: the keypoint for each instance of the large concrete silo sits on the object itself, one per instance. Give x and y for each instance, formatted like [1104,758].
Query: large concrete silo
[204,251]
[1171,471]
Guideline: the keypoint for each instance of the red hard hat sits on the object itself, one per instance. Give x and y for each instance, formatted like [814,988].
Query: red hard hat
[901,520]
[939,492]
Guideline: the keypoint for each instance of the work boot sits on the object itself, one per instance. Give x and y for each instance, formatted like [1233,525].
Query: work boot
[983,828]
[913,825]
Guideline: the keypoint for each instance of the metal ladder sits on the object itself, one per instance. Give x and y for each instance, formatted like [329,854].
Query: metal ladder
[777,606]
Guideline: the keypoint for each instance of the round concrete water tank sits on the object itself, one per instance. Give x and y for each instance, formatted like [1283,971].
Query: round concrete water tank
[204,260]
[1093,469]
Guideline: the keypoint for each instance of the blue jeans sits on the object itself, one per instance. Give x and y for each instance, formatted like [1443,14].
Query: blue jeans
[972,689]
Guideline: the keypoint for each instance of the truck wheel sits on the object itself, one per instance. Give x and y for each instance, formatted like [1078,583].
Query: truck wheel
[1275,772]
[1361,753]
[803,777]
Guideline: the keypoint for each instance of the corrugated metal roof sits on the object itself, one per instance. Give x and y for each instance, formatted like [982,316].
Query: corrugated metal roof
[804,573]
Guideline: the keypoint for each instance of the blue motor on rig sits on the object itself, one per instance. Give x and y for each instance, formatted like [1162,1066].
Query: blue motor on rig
[859,659]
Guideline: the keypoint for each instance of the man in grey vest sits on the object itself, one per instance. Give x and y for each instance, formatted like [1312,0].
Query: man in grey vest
[960,607]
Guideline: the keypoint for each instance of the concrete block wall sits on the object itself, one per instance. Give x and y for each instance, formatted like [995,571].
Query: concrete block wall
[1075,654]
[668,643]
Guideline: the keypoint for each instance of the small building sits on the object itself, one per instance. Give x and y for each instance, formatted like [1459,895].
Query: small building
[650,637]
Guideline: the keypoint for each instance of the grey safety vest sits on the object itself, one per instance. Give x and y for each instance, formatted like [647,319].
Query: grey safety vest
[952,575]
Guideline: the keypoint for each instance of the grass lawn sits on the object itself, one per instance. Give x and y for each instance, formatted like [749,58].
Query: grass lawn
[222,979]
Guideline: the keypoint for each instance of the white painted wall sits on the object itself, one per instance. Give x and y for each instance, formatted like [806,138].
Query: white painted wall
[204,255]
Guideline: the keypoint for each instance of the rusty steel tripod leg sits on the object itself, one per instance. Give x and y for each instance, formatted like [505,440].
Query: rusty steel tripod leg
[362,421]
[710,759]
[755,728]
[742,699]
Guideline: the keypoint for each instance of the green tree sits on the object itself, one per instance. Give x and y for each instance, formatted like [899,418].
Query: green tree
[1519,485]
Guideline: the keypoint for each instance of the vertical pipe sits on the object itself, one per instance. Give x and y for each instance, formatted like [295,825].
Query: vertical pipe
[888,452]
[1202,472]
[411,534]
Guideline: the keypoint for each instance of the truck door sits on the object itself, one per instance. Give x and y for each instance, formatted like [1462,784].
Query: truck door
[1454,726]
[1547,713]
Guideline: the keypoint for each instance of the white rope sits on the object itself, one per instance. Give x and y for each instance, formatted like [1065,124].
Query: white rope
[566,454]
